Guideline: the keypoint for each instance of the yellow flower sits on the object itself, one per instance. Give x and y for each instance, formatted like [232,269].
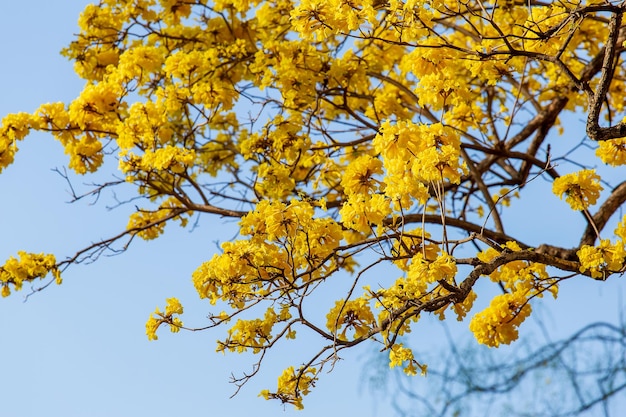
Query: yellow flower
[612,152]
[398,355]
[27,268]
[360,175]
[602,260]
[361,213]
[355,314]
[582,188]
[173,306]
[275,180]
[498,323]
[292,386]
[427,272]
[620,231]
[152,325]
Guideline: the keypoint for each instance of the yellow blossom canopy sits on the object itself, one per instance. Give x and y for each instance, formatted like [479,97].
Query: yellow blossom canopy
[369,151]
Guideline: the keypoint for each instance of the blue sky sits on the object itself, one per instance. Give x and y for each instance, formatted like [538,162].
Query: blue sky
[80,349]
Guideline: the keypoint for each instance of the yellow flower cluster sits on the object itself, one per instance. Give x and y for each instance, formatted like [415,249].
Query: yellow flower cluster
[321,18]
[361,213]
[242,273]
[30,266]
[416,155]
[525,277]
[288,246]
[149,224]
[498,323]
[169,158]
[360,176]
[81,126]
[283,154]
[602,260]
[13,128]
[96,105]
[281,139]
[364,206]
[292,386]
[620,231]
[157,318]
[253,334]
[145,125]
[422,282]
[275,181]
[354,314]
[277,66]
[398,355]
[581,188]
[439,84]
[425,272]
[612,152]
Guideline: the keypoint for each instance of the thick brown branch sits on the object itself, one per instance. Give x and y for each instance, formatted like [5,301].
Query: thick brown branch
[594,131]
[459,224]
[208,208]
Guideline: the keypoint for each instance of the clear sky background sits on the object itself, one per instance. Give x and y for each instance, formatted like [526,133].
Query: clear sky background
[80,349]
